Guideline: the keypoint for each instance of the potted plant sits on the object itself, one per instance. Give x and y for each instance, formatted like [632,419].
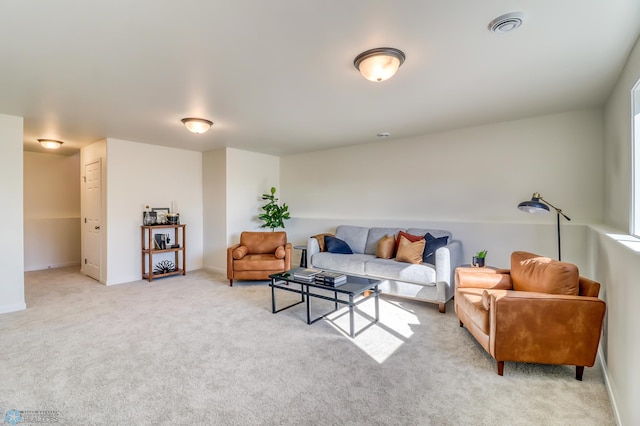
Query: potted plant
[478,258]
[274,214]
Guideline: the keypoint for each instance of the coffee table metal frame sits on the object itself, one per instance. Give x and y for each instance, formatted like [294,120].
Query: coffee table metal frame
[354,287]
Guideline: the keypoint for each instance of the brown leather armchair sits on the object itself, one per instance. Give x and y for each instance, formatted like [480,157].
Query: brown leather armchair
[541,311]
[258,255]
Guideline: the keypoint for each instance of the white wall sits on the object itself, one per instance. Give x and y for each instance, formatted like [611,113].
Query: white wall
[214,181]
[138,175]
[11,227]
[51,210]
[617,263]
[234,181]
[468,180]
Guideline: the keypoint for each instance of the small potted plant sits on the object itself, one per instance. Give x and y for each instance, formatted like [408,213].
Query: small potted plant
[478,259]
[274,214]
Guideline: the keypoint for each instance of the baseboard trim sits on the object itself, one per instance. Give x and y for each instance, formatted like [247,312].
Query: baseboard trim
[215,269]
[55,265]
[607,382]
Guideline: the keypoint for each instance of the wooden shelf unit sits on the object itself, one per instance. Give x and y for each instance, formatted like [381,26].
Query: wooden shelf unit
[180,253]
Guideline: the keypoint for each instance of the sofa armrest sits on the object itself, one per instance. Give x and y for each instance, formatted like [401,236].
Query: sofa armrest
[448,258]
[545,328]
[312,248]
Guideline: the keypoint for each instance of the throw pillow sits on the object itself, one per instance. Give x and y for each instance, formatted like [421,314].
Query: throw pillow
[280,252]
[410,237]
[239,252]
[385,247]
[320,238]
[410,252]
[432,244]
[336,245]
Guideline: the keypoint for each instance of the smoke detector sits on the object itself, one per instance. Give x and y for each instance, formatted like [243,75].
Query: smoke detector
[507,22]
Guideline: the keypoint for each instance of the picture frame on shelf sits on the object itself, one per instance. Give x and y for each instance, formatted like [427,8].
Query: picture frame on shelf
[161,214]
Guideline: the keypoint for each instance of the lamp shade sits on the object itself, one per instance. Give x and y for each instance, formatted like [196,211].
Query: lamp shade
[50,143]
[535,205]
[379,64]
[197,125]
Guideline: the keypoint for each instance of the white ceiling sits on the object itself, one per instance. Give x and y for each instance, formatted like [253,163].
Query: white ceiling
[277,76]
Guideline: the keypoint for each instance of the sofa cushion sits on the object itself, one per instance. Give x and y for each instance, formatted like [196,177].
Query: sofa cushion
[374,236]
[431,245]
[352,264]
[419,273]
[385,247]
[410,252]
[531,272]
[355,236]
[336,245]
[435,232]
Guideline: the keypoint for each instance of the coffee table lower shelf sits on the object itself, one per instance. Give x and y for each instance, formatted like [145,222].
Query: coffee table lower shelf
[350,294]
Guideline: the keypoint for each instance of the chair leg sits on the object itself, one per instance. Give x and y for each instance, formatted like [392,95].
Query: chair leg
[461,324]
[442,308]
[230,283]
[579,371]
[500,368]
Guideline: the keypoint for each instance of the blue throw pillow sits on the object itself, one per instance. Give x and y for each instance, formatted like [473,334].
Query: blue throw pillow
[432,244]
[336,245]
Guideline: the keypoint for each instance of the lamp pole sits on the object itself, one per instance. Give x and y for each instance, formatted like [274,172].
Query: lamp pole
[558,213]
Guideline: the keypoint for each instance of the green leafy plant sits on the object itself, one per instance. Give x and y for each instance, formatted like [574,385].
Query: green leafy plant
[274,214]
[481,254]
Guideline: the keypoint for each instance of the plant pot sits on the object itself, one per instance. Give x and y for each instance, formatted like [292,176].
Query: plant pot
[478,262]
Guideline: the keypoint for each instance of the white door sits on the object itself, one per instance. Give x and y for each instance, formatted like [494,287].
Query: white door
[92,221]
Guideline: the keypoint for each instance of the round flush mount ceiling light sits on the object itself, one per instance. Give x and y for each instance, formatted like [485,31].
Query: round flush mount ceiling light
[379,64]
[50,143]
[383,134]
[197,125]
[507,22]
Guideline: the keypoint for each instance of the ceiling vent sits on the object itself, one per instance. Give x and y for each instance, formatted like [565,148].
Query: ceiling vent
[507,22]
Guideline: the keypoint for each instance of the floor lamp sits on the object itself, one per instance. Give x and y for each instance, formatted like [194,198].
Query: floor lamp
[538,205]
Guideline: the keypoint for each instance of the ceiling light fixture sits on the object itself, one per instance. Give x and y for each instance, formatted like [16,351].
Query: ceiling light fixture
[507,22]
[379,64]
[197,125]
[50,143]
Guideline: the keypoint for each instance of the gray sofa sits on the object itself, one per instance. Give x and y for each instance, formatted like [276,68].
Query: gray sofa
[424,281]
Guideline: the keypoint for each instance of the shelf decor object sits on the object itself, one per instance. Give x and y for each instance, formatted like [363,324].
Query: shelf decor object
[538,205]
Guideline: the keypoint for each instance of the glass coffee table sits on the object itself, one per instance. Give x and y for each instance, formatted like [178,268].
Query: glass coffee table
[352,293]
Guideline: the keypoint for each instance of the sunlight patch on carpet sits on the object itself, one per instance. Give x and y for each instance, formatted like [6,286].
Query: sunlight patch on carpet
[380,340]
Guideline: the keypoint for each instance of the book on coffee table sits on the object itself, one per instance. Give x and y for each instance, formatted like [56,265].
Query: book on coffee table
[332,279]
[305,274]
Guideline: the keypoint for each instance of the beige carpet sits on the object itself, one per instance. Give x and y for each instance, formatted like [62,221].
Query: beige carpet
[191,350]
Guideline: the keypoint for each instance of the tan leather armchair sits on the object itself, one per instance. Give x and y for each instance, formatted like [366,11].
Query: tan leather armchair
[258,255]
[540,311]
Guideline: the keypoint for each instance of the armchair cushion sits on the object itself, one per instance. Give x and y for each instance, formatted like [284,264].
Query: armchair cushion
[239,252]
[280,253]
[531,272]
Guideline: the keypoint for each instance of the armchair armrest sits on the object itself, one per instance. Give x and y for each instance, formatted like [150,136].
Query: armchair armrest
[545,328]
[489,278]
[230,260]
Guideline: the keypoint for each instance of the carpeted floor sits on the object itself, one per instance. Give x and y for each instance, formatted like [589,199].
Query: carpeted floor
[192,350]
